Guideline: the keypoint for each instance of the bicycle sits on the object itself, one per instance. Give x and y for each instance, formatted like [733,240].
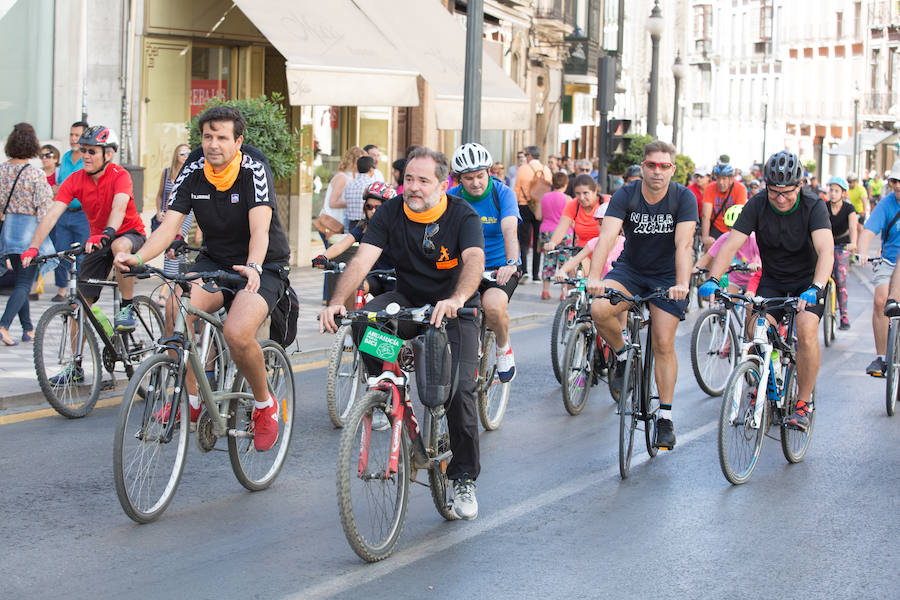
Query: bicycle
[346,373]
[564,318]
[374,470]
[65,344]
[830,316]
[761,391]
[639,399]
[150,447]
[892,368]
[493,394]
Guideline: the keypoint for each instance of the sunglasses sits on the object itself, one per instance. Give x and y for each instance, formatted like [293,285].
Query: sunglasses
[428,246]
[91,151]
[183,153]
[47,155]
[662,166]
[893,181]
[371,206]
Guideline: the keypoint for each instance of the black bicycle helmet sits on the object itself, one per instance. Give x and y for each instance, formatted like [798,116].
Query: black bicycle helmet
[783,169]
[633,171]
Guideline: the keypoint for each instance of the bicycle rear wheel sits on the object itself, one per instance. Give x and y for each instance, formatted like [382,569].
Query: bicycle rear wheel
[713,350]
[892,374]
[345,376]
[563,321]
[629,407]
[70,380]
[795,443]
[149,453]
[257,470]
[650,397]
[740,437]
[439,439]
[149,327]
[577,368]
[371,502]
[828,318]
[493,394]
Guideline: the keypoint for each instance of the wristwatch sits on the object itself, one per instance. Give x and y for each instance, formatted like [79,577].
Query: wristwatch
[511,262]
[255,266]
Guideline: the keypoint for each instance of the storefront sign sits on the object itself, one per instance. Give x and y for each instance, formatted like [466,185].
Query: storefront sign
[204,90]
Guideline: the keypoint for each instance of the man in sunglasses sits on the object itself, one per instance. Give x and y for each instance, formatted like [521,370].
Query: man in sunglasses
[436,244]
[793,232]
[884,221]
[659,218]
[107,199]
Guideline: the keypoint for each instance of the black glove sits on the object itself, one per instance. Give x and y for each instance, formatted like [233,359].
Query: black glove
[177,245]
[103,239]
[891,308]
[319,262]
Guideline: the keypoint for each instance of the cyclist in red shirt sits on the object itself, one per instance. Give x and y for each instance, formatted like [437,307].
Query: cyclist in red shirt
[106,195]
[716,200]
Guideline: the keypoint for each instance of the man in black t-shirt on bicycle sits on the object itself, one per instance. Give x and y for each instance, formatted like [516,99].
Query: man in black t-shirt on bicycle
[793,232]
[436,243]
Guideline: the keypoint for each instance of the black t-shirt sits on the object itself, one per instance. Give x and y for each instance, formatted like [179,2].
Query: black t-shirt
[840,222]
[785,241]
[425,279]
[382,264]
[224,216]
[650,228]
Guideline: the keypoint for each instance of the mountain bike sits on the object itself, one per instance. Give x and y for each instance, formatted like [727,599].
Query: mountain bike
[375,461]
[493,394]
[67,360]
[892,368]
[564,318]
[151,447]
[761,391]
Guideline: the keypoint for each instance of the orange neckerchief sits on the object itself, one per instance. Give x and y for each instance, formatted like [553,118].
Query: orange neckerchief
[429,216]
[224,180]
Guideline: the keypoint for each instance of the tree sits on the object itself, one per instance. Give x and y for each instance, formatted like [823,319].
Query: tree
[267,129]
[809,166]
[633,155]
[684,168]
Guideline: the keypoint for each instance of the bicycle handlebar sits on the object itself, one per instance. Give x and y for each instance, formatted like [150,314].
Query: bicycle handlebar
[759,302]
[393,312]
[221,278]
[75,250]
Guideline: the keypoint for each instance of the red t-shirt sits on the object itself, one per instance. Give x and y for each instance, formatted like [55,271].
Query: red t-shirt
[97,198]
[695,188]
[712,196]
[585,225]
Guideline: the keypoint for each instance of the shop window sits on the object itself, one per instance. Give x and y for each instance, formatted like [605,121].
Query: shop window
[26,40]
[210,76]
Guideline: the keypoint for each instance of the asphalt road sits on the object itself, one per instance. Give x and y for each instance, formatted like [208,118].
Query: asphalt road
[555,520]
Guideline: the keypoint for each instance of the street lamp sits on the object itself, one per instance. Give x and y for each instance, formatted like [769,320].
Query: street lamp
[679,70]
[765,107]
[655,27]
[856,129]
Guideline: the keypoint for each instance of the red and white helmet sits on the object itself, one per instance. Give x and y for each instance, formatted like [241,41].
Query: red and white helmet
[379,191]
[99,135]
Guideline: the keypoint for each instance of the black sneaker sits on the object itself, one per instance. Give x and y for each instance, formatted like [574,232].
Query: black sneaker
[799,419]
[665,434]
[618,378]
[876,368]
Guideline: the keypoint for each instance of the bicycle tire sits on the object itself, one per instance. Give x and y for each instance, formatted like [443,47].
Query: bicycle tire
[710,370]
[795,443]
[150,327]
[828,316]
[220,371]
[563,321]
[439,441]
[257,470]
[493,394]
[629,406]
[577,368]
[892,368]
[69,398]
[344,377]
[649,397]
[736,425]
[351,512]
[142,497]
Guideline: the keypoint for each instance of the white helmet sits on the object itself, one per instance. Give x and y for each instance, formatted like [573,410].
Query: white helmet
[471,157]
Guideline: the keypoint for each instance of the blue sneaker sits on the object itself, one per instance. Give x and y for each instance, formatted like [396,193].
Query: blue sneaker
[125,319]
[506,366]
[71,374]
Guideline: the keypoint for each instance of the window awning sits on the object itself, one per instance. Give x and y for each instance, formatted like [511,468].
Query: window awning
[868,140]
[435,45]
[335,54]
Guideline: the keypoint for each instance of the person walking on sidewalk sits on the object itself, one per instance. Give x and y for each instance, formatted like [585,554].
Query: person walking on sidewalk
[529,202]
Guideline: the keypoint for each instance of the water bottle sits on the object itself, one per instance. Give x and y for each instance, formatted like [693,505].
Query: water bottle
[723,282]
[103,320]
[777,368]
[760,333]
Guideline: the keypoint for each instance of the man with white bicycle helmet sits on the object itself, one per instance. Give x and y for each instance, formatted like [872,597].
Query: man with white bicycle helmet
[498,209]
[793,233]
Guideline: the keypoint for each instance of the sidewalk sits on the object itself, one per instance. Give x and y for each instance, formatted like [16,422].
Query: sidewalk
[19,386]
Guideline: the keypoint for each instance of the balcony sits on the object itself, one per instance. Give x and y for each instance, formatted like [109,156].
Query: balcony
[555,16]
[883,12]
[881,103]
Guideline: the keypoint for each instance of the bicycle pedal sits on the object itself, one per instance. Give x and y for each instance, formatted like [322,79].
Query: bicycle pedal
[663,448]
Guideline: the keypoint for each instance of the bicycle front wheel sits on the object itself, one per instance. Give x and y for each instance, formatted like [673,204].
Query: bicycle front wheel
[629,408]
[828,318]
[70,373]
[371,500]
[257,470]
[740,434]
[149,327]
[149,452]
[344,378]
[892,370]
[439,440]
[650,398]
[577,368]
[493,394]
[563,321]
[713,351]
[795,443]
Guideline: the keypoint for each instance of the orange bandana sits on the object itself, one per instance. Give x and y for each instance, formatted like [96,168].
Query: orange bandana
[224,180]
[429,216]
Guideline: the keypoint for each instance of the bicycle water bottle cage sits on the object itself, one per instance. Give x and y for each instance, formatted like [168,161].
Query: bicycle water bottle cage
[434,372]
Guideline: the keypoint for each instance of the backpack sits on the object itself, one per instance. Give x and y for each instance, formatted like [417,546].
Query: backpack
[285,314]
[536,190]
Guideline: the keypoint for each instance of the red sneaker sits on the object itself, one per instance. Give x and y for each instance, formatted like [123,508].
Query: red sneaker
[265,426]
[162,415]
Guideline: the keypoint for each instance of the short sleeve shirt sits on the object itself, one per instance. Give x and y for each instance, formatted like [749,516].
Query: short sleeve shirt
[881,217]
[785,241]
[224,217]
[585,225]
[494,247]
[721,202]
[66,168]
[840,223]
[748,253]
[425,279]
[857,194]
[650,228]
[97,198]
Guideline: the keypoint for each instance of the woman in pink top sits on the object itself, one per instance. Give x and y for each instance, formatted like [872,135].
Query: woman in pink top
[552,205]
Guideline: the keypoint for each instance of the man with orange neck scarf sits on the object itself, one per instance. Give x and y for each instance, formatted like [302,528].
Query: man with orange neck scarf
[229,194]
[436,242]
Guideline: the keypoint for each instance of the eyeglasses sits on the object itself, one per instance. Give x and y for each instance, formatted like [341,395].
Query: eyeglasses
[371,206]
[91,151]
[47,155]
[774,194]
[584,170]
[428,246]
[662,166]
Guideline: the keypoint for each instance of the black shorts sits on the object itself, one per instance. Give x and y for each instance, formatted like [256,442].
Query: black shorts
[638,284]
[379,285]
[769,288]
[272,282]
[98,264]
[508,289]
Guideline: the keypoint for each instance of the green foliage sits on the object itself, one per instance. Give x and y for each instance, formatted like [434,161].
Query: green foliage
[267,129]
[633,155]
[684,168]
[809,166]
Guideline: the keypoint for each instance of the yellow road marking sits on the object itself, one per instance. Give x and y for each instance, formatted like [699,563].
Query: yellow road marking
[317,364]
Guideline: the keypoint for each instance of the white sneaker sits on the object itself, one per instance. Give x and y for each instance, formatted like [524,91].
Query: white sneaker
[464,503]
[506,365]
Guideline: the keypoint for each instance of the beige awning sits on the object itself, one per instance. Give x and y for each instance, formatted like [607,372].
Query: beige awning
[335,54]
[868,140]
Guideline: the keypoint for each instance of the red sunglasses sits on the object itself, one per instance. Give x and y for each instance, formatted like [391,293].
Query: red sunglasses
[662,166]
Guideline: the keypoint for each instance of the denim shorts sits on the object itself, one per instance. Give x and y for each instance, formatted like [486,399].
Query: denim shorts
[639,284]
